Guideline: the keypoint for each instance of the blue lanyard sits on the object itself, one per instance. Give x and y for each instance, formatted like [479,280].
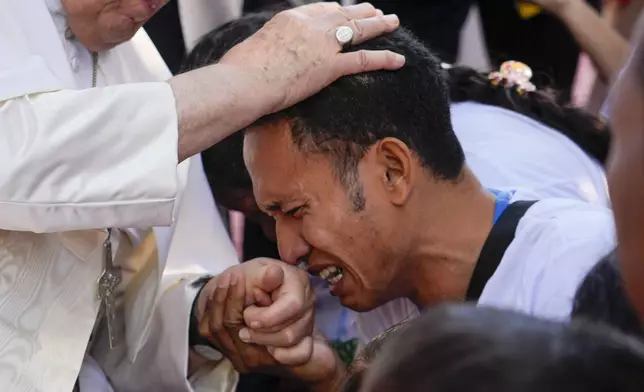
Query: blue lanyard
[501,203]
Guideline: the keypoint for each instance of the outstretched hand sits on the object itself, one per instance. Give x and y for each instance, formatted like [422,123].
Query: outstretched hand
[296,53]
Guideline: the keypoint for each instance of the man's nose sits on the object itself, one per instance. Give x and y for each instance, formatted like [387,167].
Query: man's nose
[292,247]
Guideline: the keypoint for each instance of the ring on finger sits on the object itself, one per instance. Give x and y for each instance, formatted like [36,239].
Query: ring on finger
[344,35]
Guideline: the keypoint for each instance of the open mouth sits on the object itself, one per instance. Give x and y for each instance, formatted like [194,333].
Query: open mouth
[332,275]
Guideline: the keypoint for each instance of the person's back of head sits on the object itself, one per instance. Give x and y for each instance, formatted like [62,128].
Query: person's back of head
[601,298]
[587,131]
[468,348]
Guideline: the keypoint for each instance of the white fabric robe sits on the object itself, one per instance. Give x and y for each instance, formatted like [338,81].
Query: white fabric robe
[73,161]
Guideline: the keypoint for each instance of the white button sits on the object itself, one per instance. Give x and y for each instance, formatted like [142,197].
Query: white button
[75,63]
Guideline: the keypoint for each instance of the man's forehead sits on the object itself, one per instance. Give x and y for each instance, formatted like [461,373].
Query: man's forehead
[272,160]
[267,139]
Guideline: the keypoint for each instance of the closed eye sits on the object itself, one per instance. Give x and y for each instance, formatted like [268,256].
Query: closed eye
[292,211]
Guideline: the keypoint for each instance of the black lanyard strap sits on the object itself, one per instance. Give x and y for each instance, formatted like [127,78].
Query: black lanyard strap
[497,242]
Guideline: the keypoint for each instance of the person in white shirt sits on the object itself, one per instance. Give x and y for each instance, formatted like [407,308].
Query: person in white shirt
[368,186]
[95,135]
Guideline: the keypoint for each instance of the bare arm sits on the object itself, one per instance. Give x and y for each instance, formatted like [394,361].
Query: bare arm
[215,101]
[107,157]
[604,45]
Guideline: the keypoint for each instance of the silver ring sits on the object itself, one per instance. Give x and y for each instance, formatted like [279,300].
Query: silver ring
[344,35]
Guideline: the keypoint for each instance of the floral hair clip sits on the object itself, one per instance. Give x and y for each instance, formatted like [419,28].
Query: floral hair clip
[513,74]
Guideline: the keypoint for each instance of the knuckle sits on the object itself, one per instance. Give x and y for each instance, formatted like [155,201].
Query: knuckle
[363,59]
[341,14]
[391,57]
[217,327]
[297,302]
[358,29]
[380,19]
[289,337]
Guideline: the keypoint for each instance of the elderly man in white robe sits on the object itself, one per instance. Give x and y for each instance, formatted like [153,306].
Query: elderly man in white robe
[96,138]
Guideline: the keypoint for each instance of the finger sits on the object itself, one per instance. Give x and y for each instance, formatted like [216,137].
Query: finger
[217,310]
[359,11]
[261,298]
[368,60]
[235,301]
[288,336]
[266,277]
[234,320]
[286,323]
[283,308]
[365,29]
[318,8]
[296,355]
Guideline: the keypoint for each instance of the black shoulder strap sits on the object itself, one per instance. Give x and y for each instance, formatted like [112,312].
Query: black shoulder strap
[497,242]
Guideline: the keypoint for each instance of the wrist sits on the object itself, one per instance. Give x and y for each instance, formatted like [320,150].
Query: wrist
[197,342]
[199,303]
[263,94]
[216,101]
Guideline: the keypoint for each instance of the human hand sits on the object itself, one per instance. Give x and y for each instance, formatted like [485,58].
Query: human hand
[284,318]
[223,320]
[296,53]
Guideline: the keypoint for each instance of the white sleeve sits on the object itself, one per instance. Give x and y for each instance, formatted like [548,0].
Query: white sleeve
[103,157]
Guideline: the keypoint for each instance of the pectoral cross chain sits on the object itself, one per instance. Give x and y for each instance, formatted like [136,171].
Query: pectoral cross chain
[106,286]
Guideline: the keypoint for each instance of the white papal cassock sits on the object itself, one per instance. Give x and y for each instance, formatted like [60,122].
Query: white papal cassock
[73,161]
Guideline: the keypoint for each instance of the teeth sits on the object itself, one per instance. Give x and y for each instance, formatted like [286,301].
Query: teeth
[327,272]
[331,274]
[335,279]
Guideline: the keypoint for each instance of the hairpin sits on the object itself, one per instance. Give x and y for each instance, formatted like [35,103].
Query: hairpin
[513,74]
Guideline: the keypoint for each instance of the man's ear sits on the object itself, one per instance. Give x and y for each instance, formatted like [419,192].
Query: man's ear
[397,163]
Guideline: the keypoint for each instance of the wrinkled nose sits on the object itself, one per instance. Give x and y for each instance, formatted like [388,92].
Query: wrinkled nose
[293,248]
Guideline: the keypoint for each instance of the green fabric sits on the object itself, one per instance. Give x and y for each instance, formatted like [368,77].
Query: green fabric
[346,350]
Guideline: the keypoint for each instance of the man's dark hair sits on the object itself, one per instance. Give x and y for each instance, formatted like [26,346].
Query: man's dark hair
[601,298]
[349,116]
[469,348]
[411,104]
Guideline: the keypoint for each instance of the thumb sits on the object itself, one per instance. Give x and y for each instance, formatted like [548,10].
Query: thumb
[271,279]
[264,277]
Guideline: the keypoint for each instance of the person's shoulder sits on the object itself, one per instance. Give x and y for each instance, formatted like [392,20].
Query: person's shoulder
[556,243]
[567,221]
